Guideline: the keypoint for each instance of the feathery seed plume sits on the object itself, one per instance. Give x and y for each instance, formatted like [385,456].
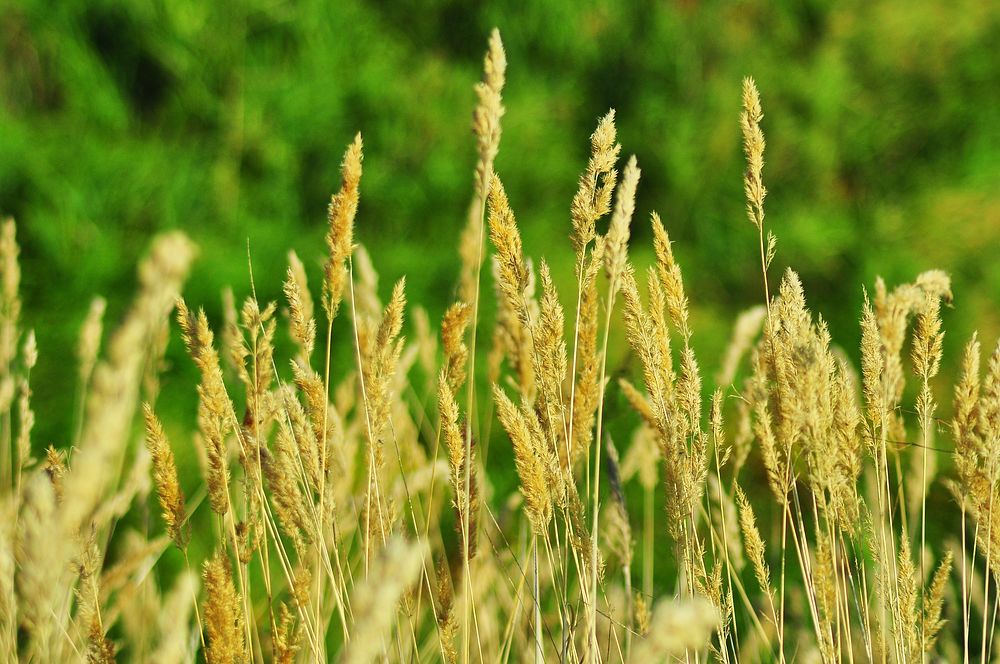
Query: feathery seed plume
[113,395]
[300,306]
[616,247]
[489,111]
[676,627]
[453,327]
[593,196]
[215,410]
[588,390]
[530,468]
[10,299]
[375,601]
[222,614]
[745,330]
[89,343]
[165,475]
[340,234]
[753,146]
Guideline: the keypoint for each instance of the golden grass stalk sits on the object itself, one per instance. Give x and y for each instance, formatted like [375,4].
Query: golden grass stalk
[677,629]
[379,357]
[528,459]
[286,638]
[215,410]
[927,350]
[753,147]
[10,306]
[616,241]
[300,306]
[76,583]
[597,184]
[754,546]
[455,445]
[376,600]
[486,125]
[223,614]
[746,328]
[489,111]
[587,390]
[340,232]
[550,360]
[174,621]
[113,395]
[615,250]
[40,579]
[25,414]
[512,276]
[753,180]
[168,487]
[511,339]
[89,343]
[456,353]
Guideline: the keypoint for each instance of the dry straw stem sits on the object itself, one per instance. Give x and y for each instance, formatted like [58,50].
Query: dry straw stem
[928,338]
[379,359]
[673,404]
[669,273]
[927,349]
[872,370]
[286,636]
[303,437]
[615,262]
[511,339]
[260,327]
[234,347]
[55,468]
[283,468]
[25,415]
[892,312]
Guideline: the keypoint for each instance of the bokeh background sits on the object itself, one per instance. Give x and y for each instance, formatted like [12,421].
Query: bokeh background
[228,119]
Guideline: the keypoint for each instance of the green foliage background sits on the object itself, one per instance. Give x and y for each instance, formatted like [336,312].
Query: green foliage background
[228,120]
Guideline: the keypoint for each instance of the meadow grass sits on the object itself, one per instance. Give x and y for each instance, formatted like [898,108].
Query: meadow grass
[349,512]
